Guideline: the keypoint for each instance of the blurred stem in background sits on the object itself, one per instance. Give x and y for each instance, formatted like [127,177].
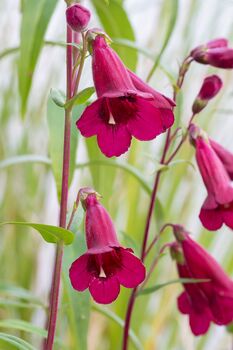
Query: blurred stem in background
[54,296]
[182,72]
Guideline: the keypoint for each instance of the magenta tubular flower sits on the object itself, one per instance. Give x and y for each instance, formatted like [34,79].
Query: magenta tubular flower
[225,156]
[218,206]
[204,302]
[78,17]
[215,53]
[106,265]
[122,110]
[210,88]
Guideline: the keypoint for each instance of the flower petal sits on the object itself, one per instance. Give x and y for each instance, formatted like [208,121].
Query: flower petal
[228,217]
[222,309]
[113,139]
[80,277]
[90,121]
[148,121]
[200,323]
[211,219]
[104,290]
[183,303]
[131,271]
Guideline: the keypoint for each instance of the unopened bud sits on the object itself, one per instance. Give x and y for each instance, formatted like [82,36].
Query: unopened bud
[210,88]
[77,17]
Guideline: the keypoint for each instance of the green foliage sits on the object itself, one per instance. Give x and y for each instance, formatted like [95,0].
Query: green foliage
[162,285]
[117,25]
[51,234]
[36,16]
[17,343]
[56,120]
[81,97]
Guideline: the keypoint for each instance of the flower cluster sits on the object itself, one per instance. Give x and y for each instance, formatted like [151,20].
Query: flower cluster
[128,107]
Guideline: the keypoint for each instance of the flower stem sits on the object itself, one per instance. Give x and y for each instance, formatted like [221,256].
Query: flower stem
[54,295]
[182,72]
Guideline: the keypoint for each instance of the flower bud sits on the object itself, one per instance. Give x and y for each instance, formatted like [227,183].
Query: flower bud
[210,88]
[77,17]
[216,53]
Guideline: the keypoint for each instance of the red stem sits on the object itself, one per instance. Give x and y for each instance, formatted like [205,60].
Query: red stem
[54,295]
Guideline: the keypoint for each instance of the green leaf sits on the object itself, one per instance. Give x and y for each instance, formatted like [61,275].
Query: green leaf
[132,45]
[51,234]
[58,97]
[56,121]
[229,328]
[112,316]
[116,23]
[78,310]
[18,343]
[5,303]
[26,158]
[162,285]
[124,166]
[36,17]
[81,97]
[18,292]
[23,326]
[170,7]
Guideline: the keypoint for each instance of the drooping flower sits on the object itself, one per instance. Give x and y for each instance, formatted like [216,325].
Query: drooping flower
[225,156]
[77,17]
[122,110]
[210,88]
[207,301]
[218,206]
[106,264]
[215,53]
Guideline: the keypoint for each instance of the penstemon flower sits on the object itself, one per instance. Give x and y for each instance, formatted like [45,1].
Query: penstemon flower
[204,302]
[78,17]
[106,265]
[216,53]
[218,206]
[125,106]
[210,88]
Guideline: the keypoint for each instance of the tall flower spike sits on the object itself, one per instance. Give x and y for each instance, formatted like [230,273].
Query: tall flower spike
[105,265]
[210,88]
[218,206]
[204,302]
[216,53]
[122,109]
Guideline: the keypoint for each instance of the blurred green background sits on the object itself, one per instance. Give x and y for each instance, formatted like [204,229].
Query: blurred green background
[143,32]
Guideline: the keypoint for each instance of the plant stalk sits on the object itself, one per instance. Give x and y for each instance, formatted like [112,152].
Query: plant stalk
[54,295]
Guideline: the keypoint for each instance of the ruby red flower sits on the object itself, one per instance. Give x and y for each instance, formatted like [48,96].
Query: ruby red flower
[210,88]
[204,302]
[77,17]
[106,265]
[218,206]
[122,110]
[215,53]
